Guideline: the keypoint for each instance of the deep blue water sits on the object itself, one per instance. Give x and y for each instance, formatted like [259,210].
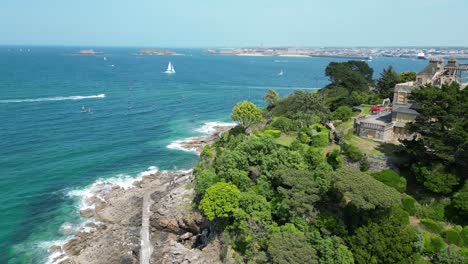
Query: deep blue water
[50,149]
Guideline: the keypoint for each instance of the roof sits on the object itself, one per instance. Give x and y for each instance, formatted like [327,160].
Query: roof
[405,110]
[382,120]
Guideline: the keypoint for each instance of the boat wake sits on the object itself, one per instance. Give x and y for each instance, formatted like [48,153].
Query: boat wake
[58,98]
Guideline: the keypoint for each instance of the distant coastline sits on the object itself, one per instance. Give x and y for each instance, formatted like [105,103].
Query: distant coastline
[159,52]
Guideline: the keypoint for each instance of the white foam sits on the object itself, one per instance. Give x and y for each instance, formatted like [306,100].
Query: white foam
[209,127]
[178,145]
[58,98]
[103,186]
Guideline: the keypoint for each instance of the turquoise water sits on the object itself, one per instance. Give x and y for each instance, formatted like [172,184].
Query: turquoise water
[50,150]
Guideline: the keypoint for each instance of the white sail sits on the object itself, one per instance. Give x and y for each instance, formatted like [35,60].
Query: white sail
[170,68]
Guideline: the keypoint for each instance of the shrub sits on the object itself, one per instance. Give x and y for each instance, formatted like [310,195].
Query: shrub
[464,236]
[391,178]
[320,139]
[342,113]
[273,132]
[452,237]
[435,178]
[352,152]
[409,204]
[437,244]
[335,159]
[435,211]
[364,164]
[431,225]
[464,252]
[283,123]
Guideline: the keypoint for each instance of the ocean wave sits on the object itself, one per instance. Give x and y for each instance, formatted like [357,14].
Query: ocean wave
[103,186]
[58,98]
[178,145]
[209,127]
[206,129]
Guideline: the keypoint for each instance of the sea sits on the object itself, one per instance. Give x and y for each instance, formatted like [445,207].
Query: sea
[69,122]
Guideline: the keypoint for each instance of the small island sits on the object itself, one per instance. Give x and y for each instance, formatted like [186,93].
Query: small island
[88,52]
[157,52]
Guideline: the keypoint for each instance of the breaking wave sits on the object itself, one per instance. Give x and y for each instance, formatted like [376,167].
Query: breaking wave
[58,98]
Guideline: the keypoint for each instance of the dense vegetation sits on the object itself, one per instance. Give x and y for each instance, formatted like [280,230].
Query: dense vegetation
[278,190]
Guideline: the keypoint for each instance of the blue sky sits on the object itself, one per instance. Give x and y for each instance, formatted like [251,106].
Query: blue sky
[220,23]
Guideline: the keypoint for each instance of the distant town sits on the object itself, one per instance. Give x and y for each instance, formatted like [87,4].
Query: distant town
[365,53]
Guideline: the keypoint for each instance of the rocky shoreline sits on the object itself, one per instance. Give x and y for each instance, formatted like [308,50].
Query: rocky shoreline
[177,233]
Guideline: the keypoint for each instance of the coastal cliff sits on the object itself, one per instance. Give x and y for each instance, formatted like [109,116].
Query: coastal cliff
[116,232]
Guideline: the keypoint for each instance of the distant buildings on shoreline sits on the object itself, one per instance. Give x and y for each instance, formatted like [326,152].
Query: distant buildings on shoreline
[350,53]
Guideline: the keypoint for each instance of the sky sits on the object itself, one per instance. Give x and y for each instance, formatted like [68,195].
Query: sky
[240,23]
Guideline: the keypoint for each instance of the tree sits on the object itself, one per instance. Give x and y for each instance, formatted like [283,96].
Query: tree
[291,248]
[299,191]
[386,83]
[342,113]
[434,177]
[352,75]
[441,126]
[363,191]
[205,179]
[303,106]
[246,113]
[220,200]
[460,206]
[386,240]
[407,76]
[391,178]
[271,97]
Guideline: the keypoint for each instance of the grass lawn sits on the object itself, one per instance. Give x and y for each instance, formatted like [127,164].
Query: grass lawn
[285,140]
[372,147]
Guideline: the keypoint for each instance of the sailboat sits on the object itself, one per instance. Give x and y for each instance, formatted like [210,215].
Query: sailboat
[170,69]
[281,73]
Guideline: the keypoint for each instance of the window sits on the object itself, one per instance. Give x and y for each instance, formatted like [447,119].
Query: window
[399,130]
[401,99]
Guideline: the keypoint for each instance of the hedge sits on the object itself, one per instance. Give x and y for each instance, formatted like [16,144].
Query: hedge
[452,237]
[437,244]
[409,204]
[431,225]
[352,152]
[273,132]
[391,178]
[464,236]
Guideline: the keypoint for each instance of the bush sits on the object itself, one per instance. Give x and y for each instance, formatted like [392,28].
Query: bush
[283,123]
[464,236]
[335,159]
[452,237]
[352,152]
[437,244]
[435,211]
[409,204]
[320,139]
[431,225]
[343,113]
[364,164]
[435,178]
[391,178]
[273,132]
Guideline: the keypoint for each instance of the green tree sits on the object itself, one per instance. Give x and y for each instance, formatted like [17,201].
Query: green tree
[220,200]
[441,124]
[391,178]
[246,113]
[352,75]
[460,206]
[304,107]
[271,97]
[299,191]
[407,76]
[205,179]
[386,83]
[363,191]
[342,113]
[387,240]
[291,248]
[434,177]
